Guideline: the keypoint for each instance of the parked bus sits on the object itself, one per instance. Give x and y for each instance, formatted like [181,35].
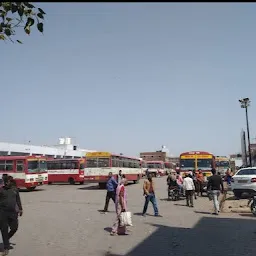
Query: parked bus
[66,171]
[222,164]
[28,171]
[143,166]
[156,168]
[99,164]
[195,160]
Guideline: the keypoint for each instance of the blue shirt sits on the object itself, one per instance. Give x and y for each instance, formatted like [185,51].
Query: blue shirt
[111,185]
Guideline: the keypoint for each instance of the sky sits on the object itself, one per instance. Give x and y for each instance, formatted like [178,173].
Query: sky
[131,77]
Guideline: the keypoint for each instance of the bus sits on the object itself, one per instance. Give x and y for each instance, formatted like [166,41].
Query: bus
[99,164]
[195,160]
[28,171]
[156,168]
[143,166]
[169,167]
[222,164]
[66,171]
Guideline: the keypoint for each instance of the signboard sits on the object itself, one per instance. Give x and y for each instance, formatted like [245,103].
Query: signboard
[196,157]
[98,154]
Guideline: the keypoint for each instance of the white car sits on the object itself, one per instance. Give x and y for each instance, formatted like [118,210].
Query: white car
[244,181]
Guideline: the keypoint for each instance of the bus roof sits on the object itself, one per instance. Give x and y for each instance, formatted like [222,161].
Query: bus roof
[65,159]
[21,157]
[196,153]
[108,154]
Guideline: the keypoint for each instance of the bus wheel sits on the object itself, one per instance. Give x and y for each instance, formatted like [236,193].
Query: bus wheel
[102,185]
[49,183]
[81,182]
[71,181]
[31,188]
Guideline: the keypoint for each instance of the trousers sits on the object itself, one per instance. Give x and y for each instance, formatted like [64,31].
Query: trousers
[13,223]
[4,229]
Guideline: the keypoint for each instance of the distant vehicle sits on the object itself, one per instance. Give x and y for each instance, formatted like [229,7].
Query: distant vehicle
[99,164]
[156,168]
[244,181]
[169,167]
[66,171]
[195,160]
[143,166]
[222,164]
[28,171]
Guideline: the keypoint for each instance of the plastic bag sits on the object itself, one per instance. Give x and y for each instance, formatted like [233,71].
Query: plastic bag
[125,219]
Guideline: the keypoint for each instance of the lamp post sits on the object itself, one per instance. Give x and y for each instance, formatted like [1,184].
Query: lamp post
[245,103]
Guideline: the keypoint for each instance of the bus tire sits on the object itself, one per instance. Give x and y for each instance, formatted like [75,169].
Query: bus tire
[49,183]
[102,185]
[81,182]
[71,181]
[31,188]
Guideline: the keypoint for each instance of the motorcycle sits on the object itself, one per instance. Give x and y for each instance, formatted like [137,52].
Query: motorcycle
[173,193]
[252,204]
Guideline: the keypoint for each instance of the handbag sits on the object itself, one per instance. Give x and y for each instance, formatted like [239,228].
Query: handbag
[125,219]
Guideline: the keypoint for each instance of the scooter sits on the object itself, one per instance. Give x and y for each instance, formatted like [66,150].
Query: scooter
[173,193]
[252,204]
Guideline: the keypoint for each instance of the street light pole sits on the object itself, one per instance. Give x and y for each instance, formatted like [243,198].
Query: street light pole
[245,103]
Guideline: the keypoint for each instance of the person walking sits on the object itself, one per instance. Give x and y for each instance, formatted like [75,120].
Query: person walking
[111,191]
[14,207]
[200,182]
[149,193]
[3,218]
[119,176]
[189,188]
[121,206]
[214,187]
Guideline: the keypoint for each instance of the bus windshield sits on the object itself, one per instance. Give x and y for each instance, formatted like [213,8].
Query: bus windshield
[204,163]
[42,165]
[222,164]
[154,166]
[187,164]
[37,166]
[97,162]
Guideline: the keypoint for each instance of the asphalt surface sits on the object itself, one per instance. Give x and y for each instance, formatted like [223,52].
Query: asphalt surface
[65,220]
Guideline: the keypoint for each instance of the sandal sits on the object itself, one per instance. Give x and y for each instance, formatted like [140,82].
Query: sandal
[113,233]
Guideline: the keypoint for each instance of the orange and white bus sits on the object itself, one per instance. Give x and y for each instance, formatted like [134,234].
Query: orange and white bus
[28,171]
[99,164]
[197,160]
[66,171]
[156,168]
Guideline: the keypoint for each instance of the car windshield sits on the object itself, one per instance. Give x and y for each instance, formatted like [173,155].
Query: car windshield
[246,172]
[204,163]
[222,164]
[187,164]
[154,166]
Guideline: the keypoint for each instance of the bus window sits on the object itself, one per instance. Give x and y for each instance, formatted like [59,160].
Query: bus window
[91,162]
[20,166]
[9,165]
[2,165]
[103,162]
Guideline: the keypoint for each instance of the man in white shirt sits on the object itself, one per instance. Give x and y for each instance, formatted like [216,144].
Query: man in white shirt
[189,187]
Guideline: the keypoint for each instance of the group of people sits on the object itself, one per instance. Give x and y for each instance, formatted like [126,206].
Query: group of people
[116,192]
[193,183]
[10,209]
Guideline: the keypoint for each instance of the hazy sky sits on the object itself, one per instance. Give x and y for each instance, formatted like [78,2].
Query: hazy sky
[131,77]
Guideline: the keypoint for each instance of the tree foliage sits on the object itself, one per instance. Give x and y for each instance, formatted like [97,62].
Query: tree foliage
[15,15]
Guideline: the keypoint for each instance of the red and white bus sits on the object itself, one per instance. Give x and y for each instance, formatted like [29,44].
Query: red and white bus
[28,171]
[66,170]
[156,168]
[99,164]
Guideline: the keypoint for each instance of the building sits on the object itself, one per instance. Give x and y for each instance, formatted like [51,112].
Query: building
[154,156]
[65,149]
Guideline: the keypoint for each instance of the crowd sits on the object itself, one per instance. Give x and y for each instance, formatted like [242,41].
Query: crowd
[191,187]
[10,209]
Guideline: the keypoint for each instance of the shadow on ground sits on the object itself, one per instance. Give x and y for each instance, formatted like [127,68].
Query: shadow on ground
[217,237]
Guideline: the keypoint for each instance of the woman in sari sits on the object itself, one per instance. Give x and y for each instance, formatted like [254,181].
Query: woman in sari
[121,206]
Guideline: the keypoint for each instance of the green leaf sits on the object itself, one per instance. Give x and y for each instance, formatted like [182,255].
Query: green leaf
[40,27]
[40,15]
[21,11]
[41,11]
[19,41]
[29,5]
[2,37]
[30,22]
[14,8]
[9,19]
[27,30]
[8,32]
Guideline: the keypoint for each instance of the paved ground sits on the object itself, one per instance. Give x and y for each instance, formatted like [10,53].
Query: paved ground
[64,220]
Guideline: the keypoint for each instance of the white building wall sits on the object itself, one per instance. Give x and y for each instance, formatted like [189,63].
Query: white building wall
[42,150]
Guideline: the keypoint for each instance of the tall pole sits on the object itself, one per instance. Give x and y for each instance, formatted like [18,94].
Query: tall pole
[248,136]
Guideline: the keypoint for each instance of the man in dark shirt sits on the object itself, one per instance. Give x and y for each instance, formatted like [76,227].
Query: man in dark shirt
[111,191]
[14,205]
[214,187]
